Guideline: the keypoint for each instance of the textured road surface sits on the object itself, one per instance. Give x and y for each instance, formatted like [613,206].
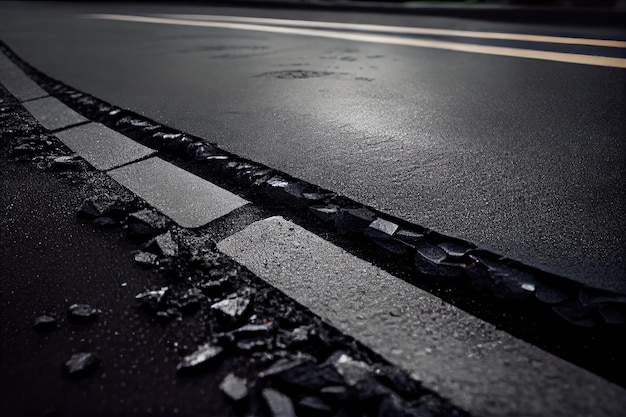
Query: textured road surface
[526,157]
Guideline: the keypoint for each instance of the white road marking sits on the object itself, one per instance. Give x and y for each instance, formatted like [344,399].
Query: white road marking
[406,30]
[187,199]
[480,368]
[382,39]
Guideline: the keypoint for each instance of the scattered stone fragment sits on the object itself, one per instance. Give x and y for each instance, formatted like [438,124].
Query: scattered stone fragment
[45,323]
[252,344]
[63,163]
[455,249]
[354,220]
[408,238]
[429,260]
[164,244]
[24,149]
[486,258]
[204,356]
[352,371]
[302,375]
[105,222]
[146,223]
[550,295]
[153,300]
[575,314]
[314,406]
[81,364]
[251,330]
[299,335]
[232,310]
[111,207]
[83,313]
[234,388]
[324,213]
[279,404]
[146,258]
[512,283]
[384,227]
[191,301]
[215,288]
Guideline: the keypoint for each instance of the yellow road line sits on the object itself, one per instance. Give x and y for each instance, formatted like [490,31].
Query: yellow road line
[407,30]
[383,39]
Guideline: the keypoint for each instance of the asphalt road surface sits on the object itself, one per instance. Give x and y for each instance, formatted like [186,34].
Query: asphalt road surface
[521,154]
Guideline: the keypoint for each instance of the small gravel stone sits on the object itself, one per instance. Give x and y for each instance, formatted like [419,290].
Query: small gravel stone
[164,244]
[82,364]
[353,221]
[146,258]
[146,222]
[314,405]
[45,323]
[83,313]
[234,388]
[232,310]
[279,404]
[62,163]
[205,355]
[324,213]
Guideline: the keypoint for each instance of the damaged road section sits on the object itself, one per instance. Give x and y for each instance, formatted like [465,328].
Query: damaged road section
[109,307]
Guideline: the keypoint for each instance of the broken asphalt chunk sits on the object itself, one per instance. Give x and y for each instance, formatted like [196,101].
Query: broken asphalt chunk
[146,258]
[279,404]
[408,238]
[314,406]
[429,260]
[45,323]
[455,249]
[234,388]
[65,163]
[164,244]
[325,213]
[204,356]
[146,223]
[81,364]
[353,220]
[152,300]
[83,313]
[232,310]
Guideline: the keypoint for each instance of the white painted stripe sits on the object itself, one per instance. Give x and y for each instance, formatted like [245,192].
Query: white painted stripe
[480,368]
[406,30]
[384,39]
[102,147]
[53,114]
[185,198]
[18,84]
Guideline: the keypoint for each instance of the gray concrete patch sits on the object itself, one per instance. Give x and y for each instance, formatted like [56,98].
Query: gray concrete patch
[187,199]
[53,114]
[18,84]
[102,147]
[484,370]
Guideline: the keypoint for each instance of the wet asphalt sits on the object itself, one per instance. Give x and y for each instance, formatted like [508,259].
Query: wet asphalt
[521,156]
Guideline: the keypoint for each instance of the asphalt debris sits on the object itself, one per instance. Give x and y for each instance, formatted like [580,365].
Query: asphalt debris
[45,323]
[83,313]
[234,388]
[82,364]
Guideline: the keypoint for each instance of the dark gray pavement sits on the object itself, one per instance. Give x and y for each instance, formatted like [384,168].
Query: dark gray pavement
[522,156]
